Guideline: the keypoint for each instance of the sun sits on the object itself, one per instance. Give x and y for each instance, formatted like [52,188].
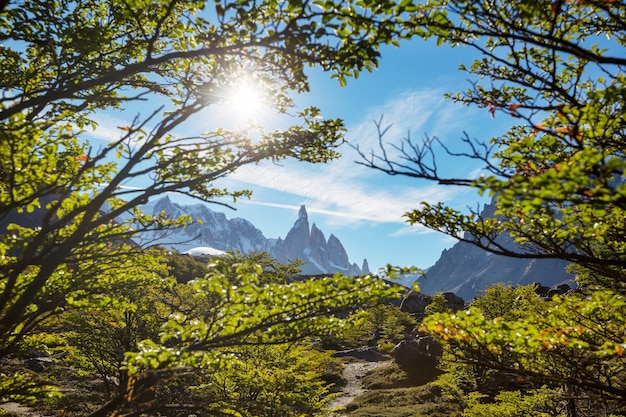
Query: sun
[246,100]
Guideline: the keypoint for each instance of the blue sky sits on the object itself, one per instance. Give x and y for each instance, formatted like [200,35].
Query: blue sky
[360,206]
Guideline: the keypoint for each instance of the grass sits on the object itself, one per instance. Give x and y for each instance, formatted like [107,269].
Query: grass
[392,376]
[421,401]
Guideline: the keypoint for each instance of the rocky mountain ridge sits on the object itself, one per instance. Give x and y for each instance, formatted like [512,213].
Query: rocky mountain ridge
[309,244]
[215,231]
[466,269]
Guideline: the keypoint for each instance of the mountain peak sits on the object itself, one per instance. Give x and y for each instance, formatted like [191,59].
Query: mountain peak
[217,233]
[466,269]
[302,214]
[303,221]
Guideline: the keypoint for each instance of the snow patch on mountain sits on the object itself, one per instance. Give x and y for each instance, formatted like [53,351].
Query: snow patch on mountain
[204,250]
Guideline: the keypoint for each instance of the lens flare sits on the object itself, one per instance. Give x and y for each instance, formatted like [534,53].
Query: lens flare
[246,100]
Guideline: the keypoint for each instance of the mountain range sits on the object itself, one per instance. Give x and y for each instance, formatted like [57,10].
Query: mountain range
[466,269]
[211,232]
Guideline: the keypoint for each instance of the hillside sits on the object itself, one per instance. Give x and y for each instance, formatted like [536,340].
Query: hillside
[466,269]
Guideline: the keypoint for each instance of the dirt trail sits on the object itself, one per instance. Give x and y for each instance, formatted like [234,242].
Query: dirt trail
[353,373]
[17,409]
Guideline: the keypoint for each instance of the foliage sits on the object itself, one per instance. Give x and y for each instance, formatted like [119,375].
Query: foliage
[99,284]
[101,337]
[69,202]
[505,302]
[382,325]
[123,52]
[457,381]
[242,305]
[234,306]
[273,272]
[512,404]
[270,381]
[556,179]
[572,344]
[591,280]
[185,268]
[393,323]
[436,305]
[232,328]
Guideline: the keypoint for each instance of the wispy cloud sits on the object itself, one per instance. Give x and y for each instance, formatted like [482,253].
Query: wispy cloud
[411,112]
[315,189]
[413,230]
[315,210]
[107,128]
[329,191]
[342,190]
[348,192]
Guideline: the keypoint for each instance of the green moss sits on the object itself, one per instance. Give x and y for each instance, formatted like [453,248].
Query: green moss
[419,401]
[392,376]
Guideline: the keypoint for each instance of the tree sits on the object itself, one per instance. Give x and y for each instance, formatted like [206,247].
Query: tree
[210,342]
[556,179]
[571,345]
[271,381]
[97,338]
[69,217]
[235,306]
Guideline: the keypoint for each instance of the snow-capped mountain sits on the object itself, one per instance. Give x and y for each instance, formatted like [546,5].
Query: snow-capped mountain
[209,229]
[212,230]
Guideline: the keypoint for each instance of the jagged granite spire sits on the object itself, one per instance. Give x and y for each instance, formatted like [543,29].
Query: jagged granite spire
[317,246]
[366,267]
[303,218]
[303,242]
[296,242]
[321,256]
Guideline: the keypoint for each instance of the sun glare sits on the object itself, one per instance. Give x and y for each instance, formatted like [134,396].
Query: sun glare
[246,100]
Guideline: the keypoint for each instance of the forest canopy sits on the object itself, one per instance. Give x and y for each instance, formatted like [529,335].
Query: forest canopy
[74,279]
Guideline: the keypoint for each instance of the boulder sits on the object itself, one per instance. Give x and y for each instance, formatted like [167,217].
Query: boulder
[453,301]
[38,360]
[38,364]
[547,293]
[504,381]
[540,290]
[415,303]
[419,356]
